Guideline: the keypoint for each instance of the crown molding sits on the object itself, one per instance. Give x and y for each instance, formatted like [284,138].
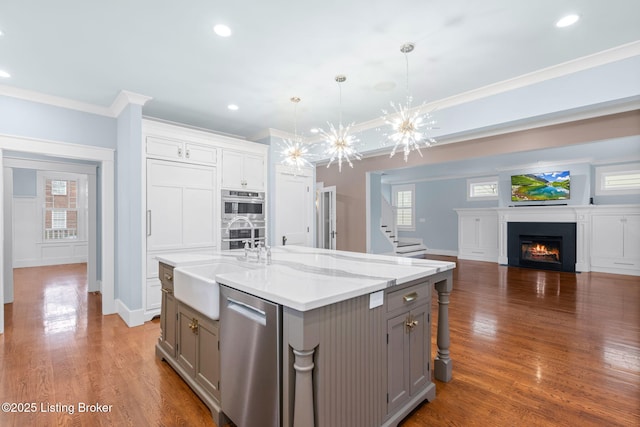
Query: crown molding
[124,99]
[598,59]
[55,101]
[277,133]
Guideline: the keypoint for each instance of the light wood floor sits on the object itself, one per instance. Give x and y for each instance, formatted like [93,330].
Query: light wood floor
[530,348]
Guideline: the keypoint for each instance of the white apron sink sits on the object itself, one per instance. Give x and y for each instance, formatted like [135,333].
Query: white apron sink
[196,286]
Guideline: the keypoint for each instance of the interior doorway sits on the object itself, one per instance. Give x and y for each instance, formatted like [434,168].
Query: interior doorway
[326,216]
[104,159]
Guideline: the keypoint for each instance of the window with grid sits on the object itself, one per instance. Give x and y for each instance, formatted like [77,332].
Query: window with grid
[60,209]
[618,179]
[482,188]
[404,202]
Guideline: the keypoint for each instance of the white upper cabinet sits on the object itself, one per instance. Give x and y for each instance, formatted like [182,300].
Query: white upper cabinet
[243,170]
[176,150]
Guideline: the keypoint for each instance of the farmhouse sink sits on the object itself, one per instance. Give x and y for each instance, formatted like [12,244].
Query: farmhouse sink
[196,285]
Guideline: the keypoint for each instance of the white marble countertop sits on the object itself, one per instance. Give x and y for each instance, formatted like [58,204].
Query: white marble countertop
[306,278]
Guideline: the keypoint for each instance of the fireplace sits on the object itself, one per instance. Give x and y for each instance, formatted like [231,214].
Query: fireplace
[542,245]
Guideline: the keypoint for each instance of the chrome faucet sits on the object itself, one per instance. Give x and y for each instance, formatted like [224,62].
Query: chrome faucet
[240,218]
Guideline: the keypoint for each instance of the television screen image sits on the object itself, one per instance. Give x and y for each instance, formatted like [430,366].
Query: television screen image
[540,186]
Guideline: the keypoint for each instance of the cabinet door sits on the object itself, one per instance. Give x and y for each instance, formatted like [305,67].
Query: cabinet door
[167,148]
[208,360]
[200,153]
[419,348]
[397,362]
[168,322]
[631,248]
[607,236]
[180,205]
[488,233]
[187,339]
[232,169]
[468,231]
[254,172]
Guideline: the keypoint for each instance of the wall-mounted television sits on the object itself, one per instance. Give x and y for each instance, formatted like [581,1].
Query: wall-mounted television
[540,186]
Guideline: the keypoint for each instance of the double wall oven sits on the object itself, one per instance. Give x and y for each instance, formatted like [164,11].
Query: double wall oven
[243,218]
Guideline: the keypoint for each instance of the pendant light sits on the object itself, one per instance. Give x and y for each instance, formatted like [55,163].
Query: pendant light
[407,124]
[340,144]
[295,152]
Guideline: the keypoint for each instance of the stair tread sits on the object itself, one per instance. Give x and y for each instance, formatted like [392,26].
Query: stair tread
[403,244]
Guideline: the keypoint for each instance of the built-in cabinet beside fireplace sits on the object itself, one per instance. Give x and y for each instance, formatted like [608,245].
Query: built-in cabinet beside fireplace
[603,238]
[615,240]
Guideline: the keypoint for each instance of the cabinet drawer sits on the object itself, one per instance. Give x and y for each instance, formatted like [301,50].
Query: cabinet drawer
[166,276]
[408,297]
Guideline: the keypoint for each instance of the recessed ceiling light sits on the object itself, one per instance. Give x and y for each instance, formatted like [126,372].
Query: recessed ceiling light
[1,33]
[222,30]
[567,21]
[4,74]
[232,107]
[314,130]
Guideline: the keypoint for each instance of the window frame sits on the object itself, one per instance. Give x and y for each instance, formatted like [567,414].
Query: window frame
[81,209]
[602,172]
[492,180]
[395,189]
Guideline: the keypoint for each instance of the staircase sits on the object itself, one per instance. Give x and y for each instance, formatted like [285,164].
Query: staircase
[405,247]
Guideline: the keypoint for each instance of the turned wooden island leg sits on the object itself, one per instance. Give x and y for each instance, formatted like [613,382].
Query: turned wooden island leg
[303,415]
[443,365]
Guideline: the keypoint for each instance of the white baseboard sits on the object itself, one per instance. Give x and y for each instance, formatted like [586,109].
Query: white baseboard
[443,252]
[24,263]
[131,317]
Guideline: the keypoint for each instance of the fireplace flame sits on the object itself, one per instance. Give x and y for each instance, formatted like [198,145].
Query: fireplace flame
[543,251]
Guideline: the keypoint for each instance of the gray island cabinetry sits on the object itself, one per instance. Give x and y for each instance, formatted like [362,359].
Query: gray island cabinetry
[189,341]
[353,344]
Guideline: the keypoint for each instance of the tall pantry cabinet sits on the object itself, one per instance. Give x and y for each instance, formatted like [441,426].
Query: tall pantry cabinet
[183,174]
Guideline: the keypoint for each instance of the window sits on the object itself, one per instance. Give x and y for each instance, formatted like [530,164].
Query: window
[404,203]
[618,179]
[60,209]
[482,188]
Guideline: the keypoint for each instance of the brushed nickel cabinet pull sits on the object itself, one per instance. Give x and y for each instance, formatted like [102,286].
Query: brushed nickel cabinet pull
[168,276]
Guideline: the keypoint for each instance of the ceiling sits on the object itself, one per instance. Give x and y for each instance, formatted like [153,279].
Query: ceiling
[167,50]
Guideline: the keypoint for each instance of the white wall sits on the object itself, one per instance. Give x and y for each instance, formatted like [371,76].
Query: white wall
[29,248]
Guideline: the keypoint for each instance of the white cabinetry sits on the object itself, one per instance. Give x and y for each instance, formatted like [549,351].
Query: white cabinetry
[615,240]
[477,234]
[183,170]
[172,149]
[181,200]
[243,170]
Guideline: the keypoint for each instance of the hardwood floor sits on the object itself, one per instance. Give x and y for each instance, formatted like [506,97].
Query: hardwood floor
[529,348]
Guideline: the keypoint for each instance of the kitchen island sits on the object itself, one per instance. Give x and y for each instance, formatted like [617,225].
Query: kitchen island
[354,333]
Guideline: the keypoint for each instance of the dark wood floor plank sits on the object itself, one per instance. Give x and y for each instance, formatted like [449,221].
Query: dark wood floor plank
[529,347]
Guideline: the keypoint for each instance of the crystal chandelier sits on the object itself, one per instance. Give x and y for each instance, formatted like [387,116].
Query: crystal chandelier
[340,143]
[408,125]
[295,153]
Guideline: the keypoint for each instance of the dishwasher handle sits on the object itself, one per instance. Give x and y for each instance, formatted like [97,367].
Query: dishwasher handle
[248,311]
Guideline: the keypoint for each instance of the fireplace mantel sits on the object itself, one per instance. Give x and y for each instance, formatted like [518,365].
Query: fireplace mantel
[599,231]
[578,214]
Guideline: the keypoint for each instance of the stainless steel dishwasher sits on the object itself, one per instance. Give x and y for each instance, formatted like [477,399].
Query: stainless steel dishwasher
[250,360]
